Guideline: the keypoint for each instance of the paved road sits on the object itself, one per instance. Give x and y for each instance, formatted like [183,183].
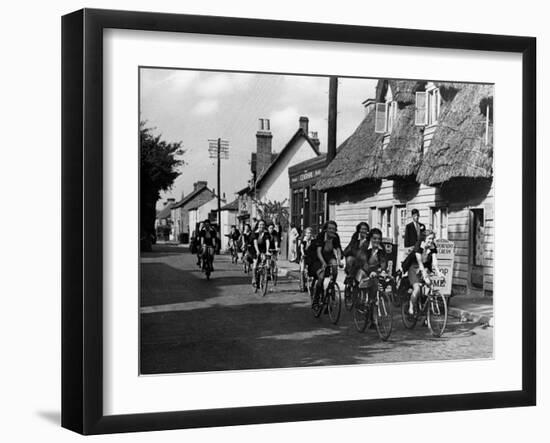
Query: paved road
[189,324]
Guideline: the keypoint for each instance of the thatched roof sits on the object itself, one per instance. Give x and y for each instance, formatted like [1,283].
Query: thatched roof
[458,148]
[356,157]
[362,157]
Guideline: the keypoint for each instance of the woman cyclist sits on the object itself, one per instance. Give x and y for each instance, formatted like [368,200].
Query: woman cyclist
[371,261]
[423,260]
[359,238]
[261,242]
[304,244]
[328,252]
[246,243]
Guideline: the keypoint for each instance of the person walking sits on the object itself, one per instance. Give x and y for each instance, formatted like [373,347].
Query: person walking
[293,240]
[415,230]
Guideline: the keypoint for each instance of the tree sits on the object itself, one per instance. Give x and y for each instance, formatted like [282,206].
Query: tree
[273,211]
[158,170]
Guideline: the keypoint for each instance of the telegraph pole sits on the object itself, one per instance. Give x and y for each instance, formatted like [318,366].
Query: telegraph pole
[332,115]
[218,149]
[219,185]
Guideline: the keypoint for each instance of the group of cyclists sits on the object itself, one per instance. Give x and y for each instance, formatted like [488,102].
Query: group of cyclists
[364,259]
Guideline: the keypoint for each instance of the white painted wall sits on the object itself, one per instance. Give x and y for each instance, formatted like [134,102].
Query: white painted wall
[276,185]
[228,218]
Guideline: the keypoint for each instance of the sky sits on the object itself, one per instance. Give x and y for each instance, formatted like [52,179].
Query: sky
[193,106]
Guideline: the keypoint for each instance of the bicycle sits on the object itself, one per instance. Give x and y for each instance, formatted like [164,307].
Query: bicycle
[246,261]
[273,269]
[331,298]
[207,260]
[261,275]
[350,292]
[304,276]
[430,303]
[233,252]
[377,310]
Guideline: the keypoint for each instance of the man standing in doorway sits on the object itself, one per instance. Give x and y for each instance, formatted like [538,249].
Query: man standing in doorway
[414,230]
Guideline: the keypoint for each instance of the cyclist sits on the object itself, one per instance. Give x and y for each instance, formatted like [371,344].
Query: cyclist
[359,238]
[198,247]
[305,243]
[234,236]
[371,261]
[208,237]
[422,260]
[246,243]
[261,242]
[328,252]
[274,243]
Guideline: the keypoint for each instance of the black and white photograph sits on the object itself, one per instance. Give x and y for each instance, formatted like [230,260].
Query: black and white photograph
[291,221]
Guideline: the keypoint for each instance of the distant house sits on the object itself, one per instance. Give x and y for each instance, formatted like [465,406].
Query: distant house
[180,210]
[228,218]
[269,181]
[270,172]
[200,211]
[164,221]
[429,146]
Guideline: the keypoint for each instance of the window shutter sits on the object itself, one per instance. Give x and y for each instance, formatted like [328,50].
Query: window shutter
[380,119]
[421,112]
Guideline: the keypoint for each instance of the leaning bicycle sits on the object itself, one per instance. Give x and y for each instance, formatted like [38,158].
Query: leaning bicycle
[430,304]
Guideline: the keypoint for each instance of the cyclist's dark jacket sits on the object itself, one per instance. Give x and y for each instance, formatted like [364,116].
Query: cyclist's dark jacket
[352,249]
[209,236]
[274,238]
[327,246]
[369,261]
[235,235]
[411,258]
[262,237]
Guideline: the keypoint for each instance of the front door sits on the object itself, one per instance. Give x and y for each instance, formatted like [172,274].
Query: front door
[477,242]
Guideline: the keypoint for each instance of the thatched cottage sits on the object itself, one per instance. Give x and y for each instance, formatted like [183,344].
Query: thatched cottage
[424,145]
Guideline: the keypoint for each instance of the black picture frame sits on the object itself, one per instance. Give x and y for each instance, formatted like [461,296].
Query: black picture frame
[82,218]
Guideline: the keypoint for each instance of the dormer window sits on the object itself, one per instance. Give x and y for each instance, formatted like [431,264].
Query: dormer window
[428,106]
[386,115]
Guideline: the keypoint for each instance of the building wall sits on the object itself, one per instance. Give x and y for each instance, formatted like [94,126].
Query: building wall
[228,218]
[201,213]
[275,186]
[362,202]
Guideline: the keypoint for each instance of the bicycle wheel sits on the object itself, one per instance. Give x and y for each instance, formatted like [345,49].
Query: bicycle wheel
[256,283]
[437,314]
[383,317]
[409,321]
[303,282]
[394,295]
[348,297]
[319,307]
[361,311]
[264,282]
[334,300]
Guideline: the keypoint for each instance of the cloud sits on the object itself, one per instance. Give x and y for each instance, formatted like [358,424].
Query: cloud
[211,85]
[285,117]
[206,106]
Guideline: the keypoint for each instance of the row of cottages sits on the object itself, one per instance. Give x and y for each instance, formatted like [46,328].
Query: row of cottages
[429,146]
[182,226]
[269,182]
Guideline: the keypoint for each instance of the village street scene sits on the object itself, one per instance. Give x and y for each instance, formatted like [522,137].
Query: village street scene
[289,221]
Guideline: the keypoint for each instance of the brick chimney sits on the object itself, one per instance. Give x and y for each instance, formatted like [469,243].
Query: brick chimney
[199,185]
[304,124]
[263,146]
[314,137]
